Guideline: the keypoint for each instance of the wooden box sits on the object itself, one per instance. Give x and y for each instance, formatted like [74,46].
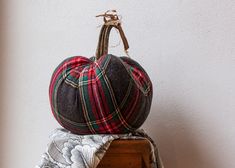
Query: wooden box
[127,154]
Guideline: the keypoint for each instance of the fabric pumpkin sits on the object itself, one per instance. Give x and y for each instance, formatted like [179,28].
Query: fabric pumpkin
[100,95]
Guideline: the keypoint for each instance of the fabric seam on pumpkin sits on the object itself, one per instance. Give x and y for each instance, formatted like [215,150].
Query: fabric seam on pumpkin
[144,91]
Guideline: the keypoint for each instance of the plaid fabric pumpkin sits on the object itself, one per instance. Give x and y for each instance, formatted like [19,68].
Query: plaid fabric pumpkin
[106,96]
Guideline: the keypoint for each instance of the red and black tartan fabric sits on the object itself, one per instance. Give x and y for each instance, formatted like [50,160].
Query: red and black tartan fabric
[110,95]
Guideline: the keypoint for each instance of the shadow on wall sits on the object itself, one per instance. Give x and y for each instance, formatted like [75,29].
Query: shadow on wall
[2,65]
[176,138]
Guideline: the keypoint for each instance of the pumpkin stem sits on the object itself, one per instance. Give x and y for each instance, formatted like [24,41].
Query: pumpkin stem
[111,20]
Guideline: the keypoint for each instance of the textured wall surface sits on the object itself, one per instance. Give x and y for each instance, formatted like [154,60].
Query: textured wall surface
[186,46]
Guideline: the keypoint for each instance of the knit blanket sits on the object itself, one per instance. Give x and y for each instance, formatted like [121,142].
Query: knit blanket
[67,150]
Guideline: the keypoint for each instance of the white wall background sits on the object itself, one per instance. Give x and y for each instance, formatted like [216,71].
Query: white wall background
[186,46]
